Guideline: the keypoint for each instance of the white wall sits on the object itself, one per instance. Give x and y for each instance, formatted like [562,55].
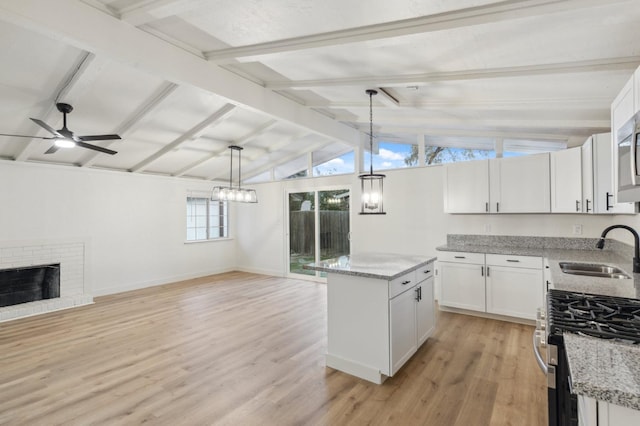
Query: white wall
[415,222]
[134,224]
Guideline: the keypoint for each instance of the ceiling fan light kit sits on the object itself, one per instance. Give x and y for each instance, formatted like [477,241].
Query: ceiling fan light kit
[229,193]
[65,138]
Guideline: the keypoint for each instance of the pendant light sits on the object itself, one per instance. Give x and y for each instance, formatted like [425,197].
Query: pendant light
[371,183]
[229,193]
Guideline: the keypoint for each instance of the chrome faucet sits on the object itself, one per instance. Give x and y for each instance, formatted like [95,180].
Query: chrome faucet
[636,256]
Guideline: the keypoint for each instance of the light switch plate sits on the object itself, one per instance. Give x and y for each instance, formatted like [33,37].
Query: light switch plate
[577,229]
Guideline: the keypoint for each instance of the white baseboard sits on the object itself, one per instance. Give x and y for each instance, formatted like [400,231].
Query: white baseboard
[362,371]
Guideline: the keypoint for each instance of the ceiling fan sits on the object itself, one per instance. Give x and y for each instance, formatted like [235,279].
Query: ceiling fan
[64,138]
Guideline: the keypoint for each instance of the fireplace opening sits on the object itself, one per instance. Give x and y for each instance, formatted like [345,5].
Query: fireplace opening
[29,283]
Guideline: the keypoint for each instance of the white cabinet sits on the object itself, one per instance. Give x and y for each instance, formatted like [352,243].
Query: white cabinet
[514,285]
[373,325]
[566,181]
[425,311]
[466,187]
[598,178]
[402,320]
[622,109]
[502,185]
[462,280]
[520,184]
[503,285]
[592,412]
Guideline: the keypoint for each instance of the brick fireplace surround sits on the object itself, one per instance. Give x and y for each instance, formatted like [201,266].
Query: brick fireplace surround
[74,289]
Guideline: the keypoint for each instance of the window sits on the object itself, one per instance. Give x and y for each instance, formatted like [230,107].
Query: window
[391,155]
[335,165]
[206,219]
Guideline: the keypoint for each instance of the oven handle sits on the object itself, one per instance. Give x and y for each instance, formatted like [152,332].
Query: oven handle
[536,352]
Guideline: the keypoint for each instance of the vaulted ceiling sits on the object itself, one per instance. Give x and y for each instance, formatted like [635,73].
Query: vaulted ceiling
[181,80]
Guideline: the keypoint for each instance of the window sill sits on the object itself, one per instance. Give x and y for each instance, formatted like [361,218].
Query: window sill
[214,240]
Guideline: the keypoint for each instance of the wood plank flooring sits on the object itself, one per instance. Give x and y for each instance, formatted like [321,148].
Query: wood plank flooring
[245,349]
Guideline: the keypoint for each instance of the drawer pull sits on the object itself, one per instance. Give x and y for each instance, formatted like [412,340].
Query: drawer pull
[459,257]
[405,282]
[512,260]
[427,271]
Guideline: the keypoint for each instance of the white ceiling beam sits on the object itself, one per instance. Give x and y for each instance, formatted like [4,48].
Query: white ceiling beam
[240,142]
[386,99]
[275,147]
[480,104]
[79,78]
[193,133]
[147,11]
[533,122]
[299,153]
[483,14]
[86,27]
[587,66]
[132,122]
[476,133]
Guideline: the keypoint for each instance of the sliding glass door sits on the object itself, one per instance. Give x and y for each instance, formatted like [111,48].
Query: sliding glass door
[318,227]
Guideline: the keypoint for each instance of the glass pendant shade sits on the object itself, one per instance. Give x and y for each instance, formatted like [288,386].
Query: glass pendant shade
[371,184]
[229,193]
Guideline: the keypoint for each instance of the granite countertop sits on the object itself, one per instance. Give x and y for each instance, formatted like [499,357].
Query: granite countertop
[604,370]
[384,266]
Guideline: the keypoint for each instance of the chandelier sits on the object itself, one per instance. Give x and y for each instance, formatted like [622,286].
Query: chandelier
[371,183]
[229,193]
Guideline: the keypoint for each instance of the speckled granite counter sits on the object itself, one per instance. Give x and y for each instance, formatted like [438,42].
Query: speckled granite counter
[384,266]
[604,370]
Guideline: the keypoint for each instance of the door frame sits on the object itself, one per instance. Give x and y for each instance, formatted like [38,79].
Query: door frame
[287,252]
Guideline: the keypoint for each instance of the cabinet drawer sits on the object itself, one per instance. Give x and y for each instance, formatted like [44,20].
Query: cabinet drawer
[402,283]
[424,272]
[532,262]
[462,257]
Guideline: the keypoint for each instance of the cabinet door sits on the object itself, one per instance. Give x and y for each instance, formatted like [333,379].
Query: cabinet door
[520,184]
[516,292]
[425,311]
[462,285]
[603,178]
[402,318]
[622,110]
[466,187]
[587,176]
[566,181]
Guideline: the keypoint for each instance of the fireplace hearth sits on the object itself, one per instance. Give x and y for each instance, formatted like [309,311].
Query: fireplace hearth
[29,284]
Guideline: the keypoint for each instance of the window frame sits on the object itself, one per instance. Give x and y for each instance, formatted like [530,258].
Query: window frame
[222,215]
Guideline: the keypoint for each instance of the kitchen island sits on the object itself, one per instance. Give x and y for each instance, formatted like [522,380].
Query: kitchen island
[380,310]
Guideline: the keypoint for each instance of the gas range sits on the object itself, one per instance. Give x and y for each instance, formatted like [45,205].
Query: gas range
[600,316]
[606,317]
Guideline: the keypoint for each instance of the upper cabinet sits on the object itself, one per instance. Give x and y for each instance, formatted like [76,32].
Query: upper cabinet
[625,104]
[566,181]
[503,185]
[466,187]
[519,184]
[598,177]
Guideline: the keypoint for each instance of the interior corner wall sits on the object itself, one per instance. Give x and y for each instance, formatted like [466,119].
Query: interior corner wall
[134,224]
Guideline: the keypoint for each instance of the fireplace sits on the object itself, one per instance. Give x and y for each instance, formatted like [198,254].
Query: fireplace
[28,284]
[62,258]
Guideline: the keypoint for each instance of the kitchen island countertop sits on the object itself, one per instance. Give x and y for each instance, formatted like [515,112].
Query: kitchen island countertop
[384,266]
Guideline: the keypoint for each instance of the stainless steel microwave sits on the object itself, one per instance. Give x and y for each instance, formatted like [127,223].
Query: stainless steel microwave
[628,137]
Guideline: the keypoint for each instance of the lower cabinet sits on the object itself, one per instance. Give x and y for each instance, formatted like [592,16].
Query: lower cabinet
[497,284]
[592,412]
[462,280]
[374,326]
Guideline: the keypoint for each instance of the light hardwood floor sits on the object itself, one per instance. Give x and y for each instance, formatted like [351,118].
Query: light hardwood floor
[244,349]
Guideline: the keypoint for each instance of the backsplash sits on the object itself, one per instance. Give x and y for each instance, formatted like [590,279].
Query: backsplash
[537,242]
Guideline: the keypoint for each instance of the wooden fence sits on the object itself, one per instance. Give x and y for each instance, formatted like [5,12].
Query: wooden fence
[334,230]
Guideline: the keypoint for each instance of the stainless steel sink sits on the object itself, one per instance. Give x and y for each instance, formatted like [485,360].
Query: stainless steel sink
[593,270]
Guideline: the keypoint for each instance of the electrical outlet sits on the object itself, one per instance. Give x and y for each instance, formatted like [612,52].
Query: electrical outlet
[577,229]
[487,228]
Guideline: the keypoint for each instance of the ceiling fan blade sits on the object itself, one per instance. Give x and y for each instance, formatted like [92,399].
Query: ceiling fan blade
[52,149]
[98,137]
[96,148]
[46,127]
[24,136]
